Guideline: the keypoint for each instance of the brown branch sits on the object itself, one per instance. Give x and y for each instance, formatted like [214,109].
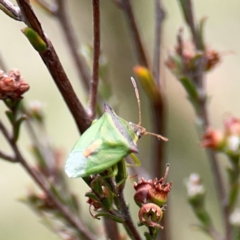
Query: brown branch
[128,223]
[111,229]
[96,53]
[136,40]
[55,68]
[44,186]
[11,10]
[189,18]
[7,157]
[159,17]
[159,110]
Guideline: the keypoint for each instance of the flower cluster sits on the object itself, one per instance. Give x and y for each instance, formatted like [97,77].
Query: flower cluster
[151,197]
[184,59]
[227,141]
[12,85]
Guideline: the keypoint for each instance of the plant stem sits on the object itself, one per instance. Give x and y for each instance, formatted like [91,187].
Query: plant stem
[96,53]
[128,223]
[7,157]
[11,10]
[136,40]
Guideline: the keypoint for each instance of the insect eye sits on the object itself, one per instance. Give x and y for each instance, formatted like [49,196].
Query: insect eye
[138,134]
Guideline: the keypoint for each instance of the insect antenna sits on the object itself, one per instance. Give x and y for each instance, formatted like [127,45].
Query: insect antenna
[138,101]
[142,130]
[157,135]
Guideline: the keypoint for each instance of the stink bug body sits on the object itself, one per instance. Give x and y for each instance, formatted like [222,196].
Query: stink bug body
[105,143]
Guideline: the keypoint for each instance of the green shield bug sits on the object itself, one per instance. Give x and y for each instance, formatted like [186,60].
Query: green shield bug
[109,140]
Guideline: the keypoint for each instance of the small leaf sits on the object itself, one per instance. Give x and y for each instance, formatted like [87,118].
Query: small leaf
[109,215]
[10,116]
[190,88]
[233,195]
[36,41]
[200,28]
[17,126]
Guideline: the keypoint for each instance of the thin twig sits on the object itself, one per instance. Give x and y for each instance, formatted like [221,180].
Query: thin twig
[110,225]
[189,18]
[159,17]
[11,10]
[55,68]
[136,40]
[96,53]
[51,9]
[67,29]
[7,157]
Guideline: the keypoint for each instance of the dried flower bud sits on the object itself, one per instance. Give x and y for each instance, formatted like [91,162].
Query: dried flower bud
[150,215]
[213,139]
[232,126]
[96,204]
[152,191]
[212,59]
[106,199]
[184,58]
[12,85]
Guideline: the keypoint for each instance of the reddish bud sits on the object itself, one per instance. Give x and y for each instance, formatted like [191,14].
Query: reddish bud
[150,215]
[213,139]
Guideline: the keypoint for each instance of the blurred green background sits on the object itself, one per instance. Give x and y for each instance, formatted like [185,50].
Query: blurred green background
[182,151]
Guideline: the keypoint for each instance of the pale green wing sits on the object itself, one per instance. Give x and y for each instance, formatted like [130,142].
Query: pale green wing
[80,166]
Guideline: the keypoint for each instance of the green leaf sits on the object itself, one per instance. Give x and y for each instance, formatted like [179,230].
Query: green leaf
[10,116]
[17,126]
